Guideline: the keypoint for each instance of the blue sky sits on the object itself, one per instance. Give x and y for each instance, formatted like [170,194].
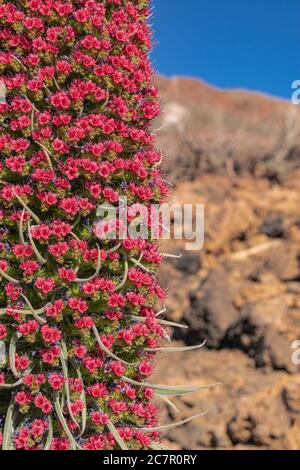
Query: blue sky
[252,44]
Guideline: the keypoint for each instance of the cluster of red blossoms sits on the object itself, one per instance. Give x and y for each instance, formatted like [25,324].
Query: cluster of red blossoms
[78,316]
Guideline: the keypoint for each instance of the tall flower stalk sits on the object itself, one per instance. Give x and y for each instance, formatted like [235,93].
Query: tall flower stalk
[78,315]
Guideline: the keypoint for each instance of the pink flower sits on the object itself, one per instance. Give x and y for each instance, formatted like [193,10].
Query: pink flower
[126,433]
[44,285]
[56,381]
[116,300]
[28,328]
[38,428]
[29,267]
[117,368]
[78,304]
[60,100]
[50,355]
[70,205]
[84,323]
[143,438]
[43,403]
[67,274]
[21,362]
[99,418]
[113,315]
[15,164]
[117,407]
[59,249]
[50,334]
[22,251]
[52,310]
[41,232]
[77,407]
[23,398]
[80,351]
[145,368]
[3,331]
[60,443]
[98,390]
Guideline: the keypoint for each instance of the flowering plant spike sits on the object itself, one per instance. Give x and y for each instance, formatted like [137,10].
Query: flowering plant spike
[79,328]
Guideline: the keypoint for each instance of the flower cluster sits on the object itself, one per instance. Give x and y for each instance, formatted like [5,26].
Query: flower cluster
[78,316]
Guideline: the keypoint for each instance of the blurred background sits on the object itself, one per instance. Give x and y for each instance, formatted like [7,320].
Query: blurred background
[232,138]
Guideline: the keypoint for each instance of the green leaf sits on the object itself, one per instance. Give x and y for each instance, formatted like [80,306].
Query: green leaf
[116,435]
[50,435]
[161,322]
[174,350]
[167,427]
[83,398]
[125,276]
[11,386]
[65,427]
[34,247]
[8,426]
[105,349]
[98,267]
[12,354]
[33,215]
[21,235]
[9,278]
[63,359]
[168,401]
[176,392]
[163,389]
[39,319]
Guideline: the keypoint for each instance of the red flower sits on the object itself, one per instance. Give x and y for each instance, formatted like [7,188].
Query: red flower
[60,100]
[56,381]
[44,285]
[117,368]
[3,331]
[50,335]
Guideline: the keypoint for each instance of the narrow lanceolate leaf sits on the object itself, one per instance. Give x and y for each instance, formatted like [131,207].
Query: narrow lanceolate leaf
[50,435]
[21,231]
[113,249]
[176,392]
[97,271]
[46,152]
[175,350]
[12,354]
[139,264]
[83,398]
[11,386]
[39,319]
[104,348]
[34,247]
[125,276]
[161,322]
[168,402]
[116,435]
[9,278]
[65,427]
[64,363]
[163,389]
[8,426]
[167,427]
[21,311]
[33,215]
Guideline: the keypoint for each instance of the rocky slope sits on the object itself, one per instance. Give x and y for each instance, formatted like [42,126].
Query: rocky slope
[241,292]
[204,129]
